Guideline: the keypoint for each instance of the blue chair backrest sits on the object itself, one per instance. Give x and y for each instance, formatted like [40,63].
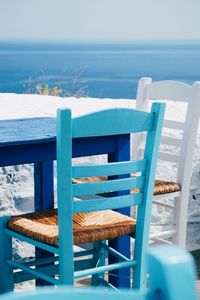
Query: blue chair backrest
[111,122]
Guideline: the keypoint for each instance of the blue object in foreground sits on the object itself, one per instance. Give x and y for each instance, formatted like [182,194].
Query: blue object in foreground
[172,277]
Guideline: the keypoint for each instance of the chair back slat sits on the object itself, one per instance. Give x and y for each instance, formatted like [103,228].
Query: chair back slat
[173,125]
[169,90]
[166,140]
[108,186]
[123,167]
[88,125]
[108,203]
[172,158]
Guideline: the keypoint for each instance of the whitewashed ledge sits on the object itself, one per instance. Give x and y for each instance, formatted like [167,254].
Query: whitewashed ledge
[14,106]
[16,182]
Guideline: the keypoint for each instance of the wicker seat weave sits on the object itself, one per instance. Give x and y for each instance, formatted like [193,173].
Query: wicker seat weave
[165,187]
[87,227]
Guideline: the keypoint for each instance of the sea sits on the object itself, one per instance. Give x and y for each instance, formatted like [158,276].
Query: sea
[94,70]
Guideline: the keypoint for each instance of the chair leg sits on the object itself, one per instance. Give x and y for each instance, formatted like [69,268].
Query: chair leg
[66,270]
[99,257]
[7,277]
[180,217]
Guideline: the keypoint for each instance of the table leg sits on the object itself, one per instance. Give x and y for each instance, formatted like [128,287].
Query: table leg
[43,188]
[44,198]
[121,278]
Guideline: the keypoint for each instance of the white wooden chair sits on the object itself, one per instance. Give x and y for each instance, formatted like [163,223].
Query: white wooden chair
[184,148]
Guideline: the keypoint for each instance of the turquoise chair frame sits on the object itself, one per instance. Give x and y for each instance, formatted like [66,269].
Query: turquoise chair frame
[102,123]
[172,277]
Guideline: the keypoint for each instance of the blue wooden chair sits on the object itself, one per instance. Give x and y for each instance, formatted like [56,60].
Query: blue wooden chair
[94,220]
[171,277]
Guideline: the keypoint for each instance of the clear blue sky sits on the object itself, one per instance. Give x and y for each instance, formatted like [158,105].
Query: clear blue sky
[99,20]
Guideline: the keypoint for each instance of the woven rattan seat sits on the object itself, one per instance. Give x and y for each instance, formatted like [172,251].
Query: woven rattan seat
[87,227]
[165,187]
[160,187]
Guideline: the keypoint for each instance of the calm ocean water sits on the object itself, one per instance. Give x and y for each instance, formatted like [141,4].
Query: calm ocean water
[95,70]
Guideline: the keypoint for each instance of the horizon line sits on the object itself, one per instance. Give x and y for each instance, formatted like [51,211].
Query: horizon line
[118,42]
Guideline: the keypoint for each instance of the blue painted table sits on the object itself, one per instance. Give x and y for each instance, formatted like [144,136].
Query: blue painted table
[24,141]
